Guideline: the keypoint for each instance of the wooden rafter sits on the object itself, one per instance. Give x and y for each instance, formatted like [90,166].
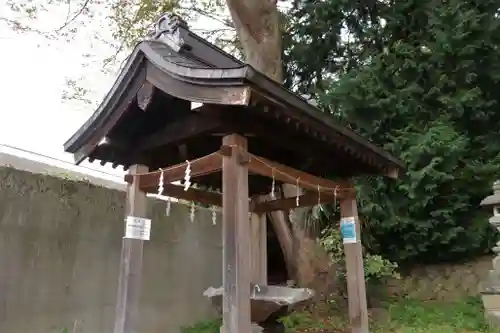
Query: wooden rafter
[286,139]
[134,83]
[195,124]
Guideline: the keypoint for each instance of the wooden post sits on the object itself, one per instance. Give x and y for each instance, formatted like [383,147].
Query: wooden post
[356,288]
[129,283]
[259,249]
[235,239]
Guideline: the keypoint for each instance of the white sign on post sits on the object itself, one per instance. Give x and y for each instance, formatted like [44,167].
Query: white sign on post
[348,229]
[137,228]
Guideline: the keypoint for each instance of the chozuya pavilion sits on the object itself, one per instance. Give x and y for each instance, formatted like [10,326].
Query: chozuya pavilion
[247,136]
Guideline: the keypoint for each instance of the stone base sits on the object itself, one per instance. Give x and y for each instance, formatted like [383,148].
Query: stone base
[491,304]
[492,318]
[491,301]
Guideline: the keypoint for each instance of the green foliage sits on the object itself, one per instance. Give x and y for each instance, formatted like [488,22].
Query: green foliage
[296,321]
[376,267]
[303,321]
[403,316]
[132,20]
[418,78]
[465,315]
[208,326]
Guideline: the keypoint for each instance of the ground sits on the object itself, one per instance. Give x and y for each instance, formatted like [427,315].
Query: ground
[398,316]
[403,316]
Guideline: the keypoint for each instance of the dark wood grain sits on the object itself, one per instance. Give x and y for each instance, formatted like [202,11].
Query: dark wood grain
[236,241]
[188,127]
[130,279]
[262,166]
[207,165]
[305,200]
[355,274]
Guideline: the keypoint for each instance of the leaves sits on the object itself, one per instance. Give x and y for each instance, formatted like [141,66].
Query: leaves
[418,78]
[376,267]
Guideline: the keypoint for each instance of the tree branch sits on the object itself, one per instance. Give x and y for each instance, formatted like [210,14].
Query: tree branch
[200,11]
[245,16]
[18,26]
[68,22]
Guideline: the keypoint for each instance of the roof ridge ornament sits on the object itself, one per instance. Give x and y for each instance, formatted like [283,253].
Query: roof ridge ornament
[310,99]
[167,30]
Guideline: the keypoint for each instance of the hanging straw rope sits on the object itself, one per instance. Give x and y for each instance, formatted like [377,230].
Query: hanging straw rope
[293,179]
[174,167]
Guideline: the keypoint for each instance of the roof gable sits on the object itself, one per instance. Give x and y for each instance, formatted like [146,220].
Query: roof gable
[177,68]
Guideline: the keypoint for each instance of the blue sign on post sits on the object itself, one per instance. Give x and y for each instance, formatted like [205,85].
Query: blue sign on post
[348,229]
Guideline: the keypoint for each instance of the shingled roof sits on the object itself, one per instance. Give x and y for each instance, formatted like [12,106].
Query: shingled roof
[147,117]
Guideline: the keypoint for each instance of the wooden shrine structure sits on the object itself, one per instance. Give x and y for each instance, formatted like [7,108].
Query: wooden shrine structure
[247,136]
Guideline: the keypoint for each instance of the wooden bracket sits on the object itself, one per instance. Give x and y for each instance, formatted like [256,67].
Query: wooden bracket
[243,157]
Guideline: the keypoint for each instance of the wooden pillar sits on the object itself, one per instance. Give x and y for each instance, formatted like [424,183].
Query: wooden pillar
[356,287]
[129,283]
[259,248]
[235,238]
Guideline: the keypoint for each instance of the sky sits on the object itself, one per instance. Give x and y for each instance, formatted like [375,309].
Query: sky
[33,74]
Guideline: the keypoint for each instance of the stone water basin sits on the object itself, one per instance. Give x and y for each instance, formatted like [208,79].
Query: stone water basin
[265,300]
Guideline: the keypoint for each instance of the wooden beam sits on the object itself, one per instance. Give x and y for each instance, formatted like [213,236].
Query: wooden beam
[202,166]
[393,173]
[288,140]
[236,241]
[262,166]
[145,95]
[129,282]
[192,194]
[259,248]
[259,208]
[356,285]
[195,124]
[305,200]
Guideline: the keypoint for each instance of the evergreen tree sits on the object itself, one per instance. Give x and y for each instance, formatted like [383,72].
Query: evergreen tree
[419,78]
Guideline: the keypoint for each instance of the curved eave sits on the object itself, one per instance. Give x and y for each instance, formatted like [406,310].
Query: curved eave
[83,134]
[145,58]
[293,101]
[200,84]
[191,74]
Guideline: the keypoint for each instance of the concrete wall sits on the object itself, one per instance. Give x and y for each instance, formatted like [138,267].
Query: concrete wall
[60,244]
[442,282]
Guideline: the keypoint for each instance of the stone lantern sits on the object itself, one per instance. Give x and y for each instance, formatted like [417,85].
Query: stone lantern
[490,286]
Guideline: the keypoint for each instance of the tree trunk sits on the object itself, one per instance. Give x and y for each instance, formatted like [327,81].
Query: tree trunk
[257,23]
[258,28]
